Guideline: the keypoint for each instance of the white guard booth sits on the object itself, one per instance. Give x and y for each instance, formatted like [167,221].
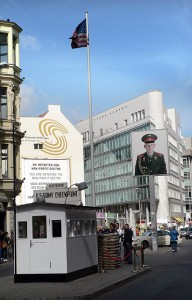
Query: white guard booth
[55,242]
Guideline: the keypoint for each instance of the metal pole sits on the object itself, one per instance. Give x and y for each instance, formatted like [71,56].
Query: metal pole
[153,208]
[134,260]
[90,116]
[14,199]
[140,211]
[138,191]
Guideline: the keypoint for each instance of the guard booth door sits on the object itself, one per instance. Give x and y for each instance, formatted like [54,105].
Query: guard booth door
[39,235]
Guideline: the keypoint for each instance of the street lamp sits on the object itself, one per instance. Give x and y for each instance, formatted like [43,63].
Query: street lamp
[138,191]
[14,197]
[81,186]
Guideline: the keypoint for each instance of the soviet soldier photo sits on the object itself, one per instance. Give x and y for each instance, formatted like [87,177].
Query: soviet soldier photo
[150,162]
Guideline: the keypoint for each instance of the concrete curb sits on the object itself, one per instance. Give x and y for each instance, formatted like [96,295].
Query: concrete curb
[113,285]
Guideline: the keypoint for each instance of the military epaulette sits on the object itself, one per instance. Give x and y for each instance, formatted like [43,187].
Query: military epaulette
[141,155]
[158,154]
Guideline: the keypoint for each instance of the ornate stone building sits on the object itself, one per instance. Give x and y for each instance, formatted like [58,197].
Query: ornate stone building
[10,134]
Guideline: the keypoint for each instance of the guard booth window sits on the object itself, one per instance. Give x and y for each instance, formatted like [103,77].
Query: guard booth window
[22,229]
[39,227]
[56,228]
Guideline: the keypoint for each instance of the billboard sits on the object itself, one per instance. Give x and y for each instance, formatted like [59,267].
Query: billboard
[38,173]
[150,152]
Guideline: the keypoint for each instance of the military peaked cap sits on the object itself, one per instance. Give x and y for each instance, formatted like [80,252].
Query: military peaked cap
[149,138]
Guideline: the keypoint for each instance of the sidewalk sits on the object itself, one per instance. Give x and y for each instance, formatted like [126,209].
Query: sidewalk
[87,287]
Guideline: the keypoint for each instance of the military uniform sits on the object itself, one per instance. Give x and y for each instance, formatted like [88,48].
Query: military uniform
[150,165]
[146,165]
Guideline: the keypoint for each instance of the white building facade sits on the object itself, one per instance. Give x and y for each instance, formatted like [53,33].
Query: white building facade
[51,154]
[187,168]
[116,189]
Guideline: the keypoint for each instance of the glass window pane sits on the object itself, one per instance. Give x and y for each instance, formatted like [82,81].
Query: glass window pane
[93,227]
[87,227]
[69,228]
[56,228]
[22,229]
[4,154]
[39,227]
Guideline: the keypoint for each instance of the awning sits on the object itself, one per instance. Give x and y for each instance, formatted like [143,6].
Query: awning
[179,220]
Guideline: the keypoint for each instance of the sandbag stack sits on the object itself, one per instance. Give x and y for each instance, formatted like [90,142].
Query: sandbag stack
[109,251]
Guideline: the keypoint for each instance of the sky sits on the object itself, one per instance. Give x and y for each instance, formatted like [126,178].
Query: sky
[136,46]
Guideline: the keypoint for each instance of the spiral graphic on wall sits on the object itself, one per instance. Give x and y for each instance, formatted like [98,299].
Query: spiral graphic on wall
[54,133]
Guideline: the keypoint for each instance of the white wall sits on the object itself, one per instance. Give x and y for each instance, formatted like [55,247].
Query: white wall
[60,140]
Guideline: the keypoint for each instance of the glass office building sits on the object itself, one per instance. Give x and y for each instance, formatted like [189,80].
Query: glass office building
[118,194]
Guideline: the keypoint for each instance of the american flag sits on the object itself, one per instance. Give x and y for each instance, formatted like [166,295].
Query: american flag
[79,38]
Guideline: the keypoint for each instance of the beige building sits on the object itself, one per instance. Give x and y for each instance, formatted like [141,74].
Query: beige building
[10,134]
[51,153]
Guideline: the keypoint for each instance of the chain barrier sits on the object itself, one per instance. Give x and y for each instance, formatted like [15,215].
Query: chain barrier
[110,253]
[133,250]
[121,259]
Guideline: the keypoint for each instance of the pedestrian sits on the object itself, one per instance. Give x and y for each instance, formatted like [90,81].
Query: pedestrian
[112,228]
[173,238]
[127,243]
[118,230]
[5,246]
[150,162]
[12,243]
[1,249]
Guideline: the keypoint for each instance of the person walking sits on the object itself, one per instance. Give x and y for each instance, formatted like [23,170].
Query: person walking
[1,249]
[173,238]
[127,243]
[5,246]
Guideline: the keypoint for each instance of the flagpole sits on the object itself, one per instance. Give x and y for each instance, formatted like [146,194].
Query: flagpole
[90,116]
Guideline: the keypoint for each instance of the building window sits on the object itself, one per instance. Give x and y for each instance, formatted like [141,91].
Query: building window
[116,125]
[3,105]
[186,162]
[138,115]
[3,47]
[14,50]
[101,131]
[187,191]
[125,122]
[38,146]
[84,137]
[186,175]
[4,155]
[132,118]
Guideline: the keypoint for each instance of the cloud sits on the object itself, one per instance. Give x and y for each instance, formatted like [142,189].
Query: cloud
[29,42]
[28,100]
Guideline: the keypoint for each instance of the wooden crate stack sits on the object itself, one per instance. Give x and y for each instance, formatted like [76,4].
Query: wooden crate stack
[109,251]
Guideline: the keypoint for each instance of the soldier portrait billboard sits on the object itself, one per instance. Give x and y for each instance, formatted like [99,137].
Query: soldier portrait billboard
[150,152]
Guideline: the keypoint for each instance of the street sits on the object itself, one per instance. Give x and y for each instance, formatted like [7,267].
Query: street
[6,269]
[170,277]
